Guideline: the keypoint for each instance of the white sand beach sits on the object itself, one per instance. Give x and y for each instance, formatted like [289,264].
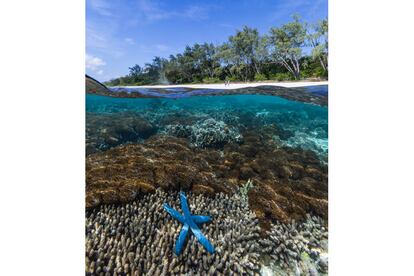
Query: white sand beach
[236,85]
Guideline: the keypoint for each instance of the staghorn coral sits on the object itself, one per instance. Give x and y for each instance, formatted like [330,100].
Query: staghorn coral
[208,133]
[245,188]
[138,238]
[212,133]
[178,130]
[290,245]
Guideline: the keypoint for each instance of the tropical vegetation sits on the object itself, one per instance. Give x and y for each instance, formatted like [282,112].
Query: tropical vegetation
[296,50]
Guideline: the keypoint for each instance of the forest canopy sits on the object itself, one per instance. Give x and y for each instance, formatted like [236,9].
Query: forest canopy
[293,51]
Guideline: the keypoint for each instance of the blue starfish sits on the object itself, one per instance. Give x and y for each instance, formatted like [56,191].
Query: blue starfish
[189,221]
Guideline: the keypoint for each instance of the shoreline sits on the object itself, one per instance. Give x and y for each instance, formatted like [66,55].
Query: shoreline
[233,85]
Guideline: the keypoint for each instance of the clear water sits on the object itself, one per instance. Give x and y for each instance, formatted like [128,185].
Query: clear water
[302,125]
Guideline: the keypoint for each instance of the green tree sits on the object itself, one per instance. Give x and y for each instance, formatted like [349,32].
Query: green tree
[318,40]
[287,43]
[135,70]
[246,49]
[209,60]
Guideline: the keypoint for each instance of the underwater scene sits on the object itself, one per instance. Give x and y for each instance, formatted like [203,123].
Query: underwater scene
[207,182]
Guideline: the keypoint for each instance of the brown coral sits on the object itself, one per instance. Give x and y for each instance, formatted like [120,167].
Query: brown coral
[289,183]
[119,174]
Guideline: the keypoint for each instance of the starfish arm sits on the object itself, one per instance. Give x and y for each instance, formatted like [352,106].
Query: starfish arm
[175,214]
[181,239]
[200,219]
[190,222]
[203,240]
[184,207]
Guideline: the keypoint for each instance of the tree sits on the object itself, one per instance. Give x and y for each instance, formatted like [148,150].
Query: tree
[135,70]
[318,40]
[209,60]
[287,42]
[246,49]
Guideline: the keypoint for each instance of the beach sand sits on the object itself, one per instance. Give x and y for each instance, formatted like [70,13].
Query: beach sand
[236,85]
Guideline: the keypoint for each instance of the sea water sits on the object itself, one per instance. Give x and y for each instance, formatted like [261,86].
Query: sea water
[295,124]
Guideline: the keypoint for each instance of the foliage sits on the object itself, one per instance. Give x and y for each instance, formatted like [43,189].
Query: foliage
[318,40]
[211,80]
[287,43]
[245,56]
[281,76]
[259,77]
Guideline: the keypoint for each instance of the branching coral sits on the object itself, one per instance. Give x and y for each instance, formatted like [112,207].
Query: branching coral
[244,190]
[138,238]
[287,244]
[208,133]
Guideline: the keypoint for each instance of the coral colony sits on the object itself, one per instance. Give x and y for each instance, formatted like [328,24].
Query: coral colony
[190,222]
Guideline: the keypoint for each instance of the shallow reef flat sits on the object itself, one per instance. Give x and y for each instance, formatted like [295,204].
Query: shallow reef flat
[137,239]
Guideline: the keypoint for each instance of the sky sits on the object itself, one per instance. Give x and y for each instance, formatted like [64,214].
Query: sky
[121,33]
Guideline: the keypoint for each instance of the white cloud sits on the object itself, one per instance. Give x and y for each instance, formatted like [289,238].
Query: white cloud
[195,13]
[102,39]
[129,41]
[162,47]
[93,63]
[287,7]
[95,38]
[101,6]
[100,72]
[152,11]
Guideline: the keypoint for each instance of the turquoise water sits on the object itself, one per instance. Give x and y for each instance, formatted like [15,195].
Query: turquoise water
[295,124]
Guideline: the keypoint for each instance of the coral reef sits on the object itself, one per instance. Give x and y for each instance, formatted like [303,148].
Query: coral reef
[288,182]
[208,133]
[256,165]
[213,122]
[212,133]
[138,238]
[119,174]
[301,246]
[105,131]
[245,188]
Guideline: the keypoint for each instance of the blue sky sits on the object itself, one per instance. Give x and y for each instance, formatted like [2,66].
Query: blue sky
[121,33]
